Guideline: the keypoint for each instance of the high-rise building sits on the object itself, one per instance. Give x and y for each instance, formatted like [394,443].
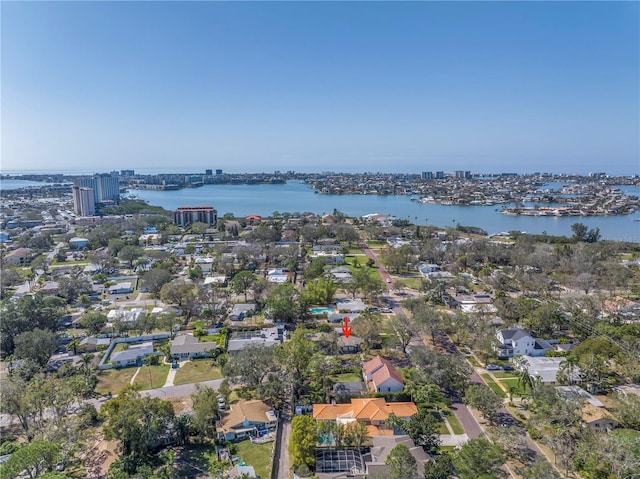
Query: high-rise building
[127,172]
[83,201]
[106,188]
[440,175]
[186,215]
[427,175]
[218,172]
[459,174]
[208,172]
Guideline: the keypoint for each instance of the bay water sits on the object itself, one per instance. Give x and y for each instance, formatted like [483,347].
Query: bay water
[297,197]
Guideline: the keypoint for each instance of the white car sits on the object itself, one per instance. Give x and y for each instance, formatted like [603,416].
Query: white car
[388,280]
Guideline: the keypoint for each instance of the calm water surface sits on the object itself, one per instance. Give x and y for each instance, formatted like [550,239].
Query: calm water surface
[296,196]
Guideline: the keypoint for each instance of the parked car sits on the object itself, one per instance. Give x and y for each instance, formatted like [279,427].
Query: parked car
[508,367]
[492,367]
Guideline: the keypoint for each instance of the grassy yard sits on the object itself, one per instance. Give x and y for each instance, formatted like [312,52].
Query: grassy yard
[453,422]
[347,378]
[376,243]
[151,377]
[411,283]
[114,380]
[496,389]
[511,375]
[256,455]
[214,338]
[507,383]
[473,361]
[197,371]
[120,347]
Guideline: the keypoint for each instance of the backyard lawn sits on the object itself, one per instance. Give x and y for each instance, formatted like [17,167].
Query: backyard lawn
[197,371]
[151,377]
[114,380]
[256,455]
[347,378]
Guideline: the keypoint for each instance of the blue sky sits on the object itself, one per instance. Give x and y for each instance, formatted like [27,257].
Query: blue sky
[484,86]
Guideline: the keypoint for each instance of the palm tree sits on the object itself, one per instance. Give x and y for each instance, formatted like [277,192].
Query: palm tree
[73,345]
[182,429]
[87,359]
[524,378]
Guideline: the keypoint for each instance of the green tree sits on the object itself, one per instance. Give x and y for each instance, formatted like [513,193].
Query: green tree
[37,345]
[251,365]
[93,322]
[33,459]
[27,313]
[320,291]
[205,408]
[627,410]
[302,444]
[484,400]
[422,428]
[154,279]
[315,268]
[285,304]
[115,245]
[440,468]
[540,469]
[404,330]
[402,464]
[18,401]
[479,459]
[129,254]
[138,422]
[241,282]
[72,287]
[180,292]
[225,390]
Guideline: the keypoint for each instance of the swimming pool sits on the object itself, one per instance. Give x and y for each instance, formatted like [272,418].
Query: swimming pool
[322,310]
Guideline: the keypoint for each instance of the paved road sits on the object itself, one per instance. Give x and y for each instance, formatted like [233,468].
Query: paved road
[178,391]
[283,466]
[383,272]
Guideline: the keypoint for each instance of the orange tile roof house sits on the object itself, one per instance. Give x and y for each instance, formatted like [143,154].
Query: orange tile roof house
[381,376]
[372,411]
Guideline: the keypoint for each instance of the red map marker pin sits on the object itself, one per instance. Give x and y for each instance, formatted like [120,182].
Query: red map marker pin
[346,329]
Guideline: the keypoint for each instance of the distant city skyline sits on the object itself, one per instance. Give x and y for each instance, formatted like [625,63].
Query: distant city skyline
[310,86]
